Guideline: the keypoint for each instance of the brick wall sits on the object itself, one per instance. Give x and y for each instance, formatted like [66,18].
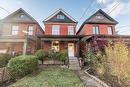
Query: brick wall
[87,29]
[63,28]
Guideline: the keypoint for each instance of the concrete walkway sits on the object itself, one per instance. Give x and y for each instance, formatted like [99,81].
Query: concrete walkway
[88,81]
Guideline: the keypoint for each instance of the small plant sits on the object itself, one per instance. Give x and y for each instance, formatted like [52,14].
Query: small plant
[52,54]
[41,54]
[62,56]
[22,65]
[4,59]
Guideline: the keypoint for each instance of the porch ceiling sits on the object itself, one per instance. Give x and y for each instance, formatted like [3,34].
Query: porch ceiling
[12,40]
[60,39]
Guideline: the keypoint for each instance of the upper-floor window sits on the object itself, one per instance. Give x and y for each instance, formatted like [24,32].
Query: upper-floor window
[109,30]
[70,30]
[55,30]
[99,17]
[15,30]
[21,16]
[95,30]
[60,16]
[30,30]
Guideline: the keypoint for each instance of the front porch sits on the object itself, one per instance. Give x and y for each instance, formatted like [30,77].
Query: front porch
[61,44]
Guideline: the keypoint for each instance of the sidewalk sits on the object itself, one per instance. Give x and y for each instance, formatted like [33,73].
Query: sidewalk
[88,81]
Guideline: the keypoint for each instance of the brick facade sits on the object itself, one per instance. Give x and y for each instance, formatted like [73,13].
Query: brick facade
[22,43]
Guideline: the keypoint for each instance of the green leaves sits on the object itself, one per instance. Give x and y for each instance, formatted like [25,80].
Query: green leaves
[22,65]
[4,58]
[41,54]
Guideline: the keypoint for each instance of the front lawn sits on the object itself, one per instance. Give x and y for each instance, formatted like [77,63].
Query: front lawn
[50,77]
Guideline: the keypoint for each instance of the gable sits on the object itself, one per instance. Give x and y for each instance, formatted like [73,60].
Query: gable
[67,17]
[19,16]
[106,19]
[93,20]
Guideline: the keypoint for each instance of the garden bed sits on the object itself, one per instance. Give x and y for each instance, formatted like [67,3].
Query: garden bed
[51,62]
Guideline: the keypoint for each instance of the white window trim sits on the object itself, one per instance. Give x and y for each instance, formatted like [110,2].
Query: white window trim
[54,31]
[100,17]
[60,17]
[30,32]
[21,16]
[96,30]
[15,30]
[109,30]
[70,30]
[55,48]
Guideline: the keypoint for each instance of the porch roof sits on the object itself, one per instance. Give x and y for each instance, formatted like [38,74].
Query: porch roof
[107,37]
[60,37]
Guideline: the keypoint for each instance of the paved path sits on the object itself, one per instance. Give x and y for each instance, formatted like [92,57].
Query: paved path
[89,82]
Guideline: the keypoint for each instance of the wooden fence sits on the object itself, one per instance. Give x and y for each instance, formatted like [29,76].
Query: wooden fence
[5,76]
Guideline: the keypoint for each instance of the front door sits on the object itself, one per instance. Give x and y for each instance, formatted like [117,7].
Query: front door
[71,49]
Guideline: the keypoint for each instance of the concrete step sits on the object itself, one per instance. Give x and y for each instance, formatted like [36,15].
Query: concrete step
[74,64]
[75,68]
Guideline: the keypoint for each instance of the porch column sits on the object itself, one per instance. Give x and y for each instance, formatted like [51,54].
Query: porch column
[78,49]
[24,48]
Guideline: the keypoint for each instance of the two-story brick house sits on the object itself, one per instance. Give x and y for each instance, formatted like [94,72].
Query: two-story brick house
[18,33]
[99,23]
[60,33]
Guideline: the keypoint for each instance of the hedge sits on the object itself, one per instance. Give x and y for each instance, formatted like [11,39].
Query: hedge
[4,59]
[22,65]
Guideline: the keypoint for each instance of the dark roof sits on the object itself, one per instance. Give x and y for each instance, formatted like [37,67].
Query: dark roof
[60,36]
[20,10]
[68,18]
[89,21]
[113,21]
[107,37]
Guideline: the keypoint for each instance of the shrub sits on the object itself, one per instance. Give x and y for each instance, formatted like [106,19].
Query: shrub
[22,65]
[62,56]
[118,59]
[41,54]
[96,61]
[52,54]
[4,58]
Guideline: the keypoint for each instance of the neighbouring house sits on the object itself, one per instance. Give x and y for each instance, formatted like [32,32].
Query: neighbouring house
[99,23]
[98,29]
[19,32]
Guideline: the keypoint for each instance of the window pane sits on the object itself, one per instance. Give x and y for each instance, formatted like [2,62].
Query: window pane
[55,30]
[109,30]
[30,30]
[95,30]
[60,16]
[70,30]
[15,30]
[99,17]
[55,45]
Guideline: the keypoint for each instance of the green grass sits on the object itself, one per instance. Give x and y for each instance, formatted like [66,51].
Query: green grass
[51,77]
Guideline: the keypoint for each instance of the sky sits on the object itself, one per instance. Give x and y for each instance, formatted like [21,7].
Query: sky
[78,9]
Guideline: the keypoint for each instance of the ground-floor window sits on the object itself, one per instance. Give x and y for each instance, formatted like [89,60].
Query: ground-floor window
[55,45]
